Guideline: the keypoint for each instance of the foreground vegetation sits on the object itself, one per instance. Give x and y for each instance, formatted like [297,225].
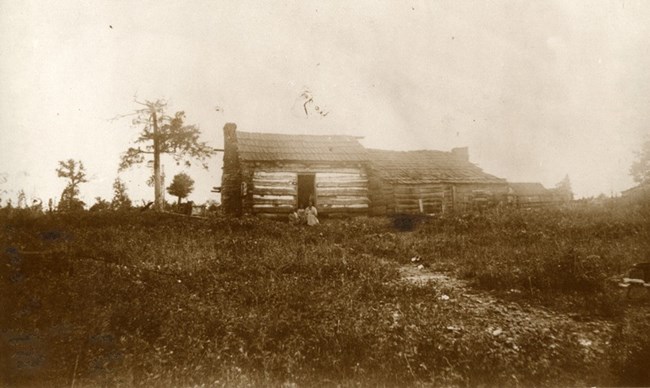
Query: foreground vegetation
[149,299]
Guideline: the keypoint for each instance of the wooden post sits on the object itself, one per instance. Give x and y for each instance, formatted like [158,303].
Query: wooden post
[158,203]
[453,197]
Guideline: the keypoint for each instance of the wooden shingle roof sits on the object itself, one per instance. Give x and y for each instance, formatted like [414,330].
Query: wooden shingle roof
[254,146]
[412,167]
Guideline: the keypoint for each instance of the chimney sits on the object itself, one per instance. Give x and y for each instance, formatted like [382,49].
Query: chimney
[229,131]
[461,153]
[230,156]
[231,176]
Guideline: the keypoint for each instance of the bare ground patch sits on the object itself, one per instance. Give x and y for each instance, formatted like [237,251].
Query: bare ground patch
[510,322]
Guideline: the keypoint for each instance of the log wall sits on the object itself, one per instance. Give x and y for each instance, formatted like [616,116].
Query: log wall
[422,198]
[531,201]
[428,198]
[340,189]
[342,192]
[474,196]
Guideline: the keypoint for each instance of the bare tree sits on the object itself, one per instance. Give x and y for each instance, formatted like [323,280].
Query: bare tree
[163,134]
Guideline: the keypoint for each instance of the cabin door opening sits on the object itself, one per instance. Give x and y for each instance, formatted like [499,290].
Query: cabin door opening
[306,190]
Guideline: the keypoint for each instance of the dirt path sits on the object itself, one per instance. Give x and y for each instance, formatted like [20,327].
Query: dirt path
[510,321]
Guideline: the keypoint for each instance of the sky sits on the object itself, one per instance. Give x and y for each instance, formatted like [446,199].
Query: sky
[536,90]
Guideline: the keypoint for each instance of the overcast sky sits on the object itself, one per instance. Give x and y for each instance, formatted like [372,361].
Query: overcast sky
[536,89]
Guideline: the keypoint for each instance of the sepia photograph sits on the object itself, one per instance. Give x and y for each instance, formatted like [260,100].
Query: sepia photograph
[412,193]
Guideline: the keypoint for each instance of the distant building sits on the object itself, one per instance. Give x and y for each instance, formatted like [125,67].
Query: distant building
[272,175]
[637,194]
[530,194]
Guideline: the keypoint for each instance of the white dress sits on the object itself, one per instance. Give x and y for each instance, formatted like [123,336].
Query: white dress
[311,216]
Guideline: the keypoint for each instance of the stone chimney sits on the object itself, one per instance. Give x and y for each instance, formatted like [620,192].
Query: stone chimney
[461,153]
[231,176]
[229,133]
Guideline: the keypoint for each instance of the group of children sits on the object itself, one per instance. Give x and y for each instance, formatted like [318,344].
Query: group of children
[308,215]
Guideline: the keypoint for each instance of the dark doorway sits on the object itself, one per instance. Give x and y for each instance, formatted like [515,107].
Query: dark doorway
[306,187]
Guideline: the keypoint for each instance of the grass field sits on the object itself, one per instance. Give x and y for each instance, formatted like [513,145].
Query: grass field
[156,300]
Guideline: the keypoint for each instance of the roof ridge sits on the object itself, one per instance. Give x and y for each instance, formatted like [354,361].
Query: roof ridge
[298,134]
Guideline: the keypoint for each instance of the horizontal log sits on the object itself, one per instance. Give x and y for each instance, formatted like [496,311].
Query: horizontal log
[279,187]
[320,179]
[418,196]
[340,177]
[423,191]
[279,175]
[355,183]
[431,194]
[420,185]
[354,174]
[345,206]
[333,198]
[279,197]
[273,191]
[274,202]
[342,191]
[331,202]
[257,205]
[417,203]
[325,195]
[352,191]
[418,200]
[274,183]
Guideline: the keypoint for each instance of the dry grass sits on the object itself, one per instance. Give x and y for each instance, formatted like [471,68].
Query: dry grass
[145,299]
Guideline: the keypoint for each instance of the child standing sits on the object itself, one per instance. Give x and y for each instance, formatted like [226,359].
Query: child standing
[312,214]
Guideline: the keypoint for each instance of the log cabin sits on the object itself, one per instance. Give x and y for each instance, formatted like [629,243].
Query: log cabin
[271,175]
[427,181]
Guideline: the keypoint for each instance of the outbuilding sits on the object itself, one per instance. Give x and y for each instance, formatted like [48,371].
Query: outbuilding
[427,181]
[530,195]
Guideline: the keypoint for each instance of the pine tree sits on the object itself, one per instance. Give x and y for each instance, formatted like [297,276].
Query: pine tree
[640,169]
[76,174]
[563,189]
[182,185]
[121,200]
